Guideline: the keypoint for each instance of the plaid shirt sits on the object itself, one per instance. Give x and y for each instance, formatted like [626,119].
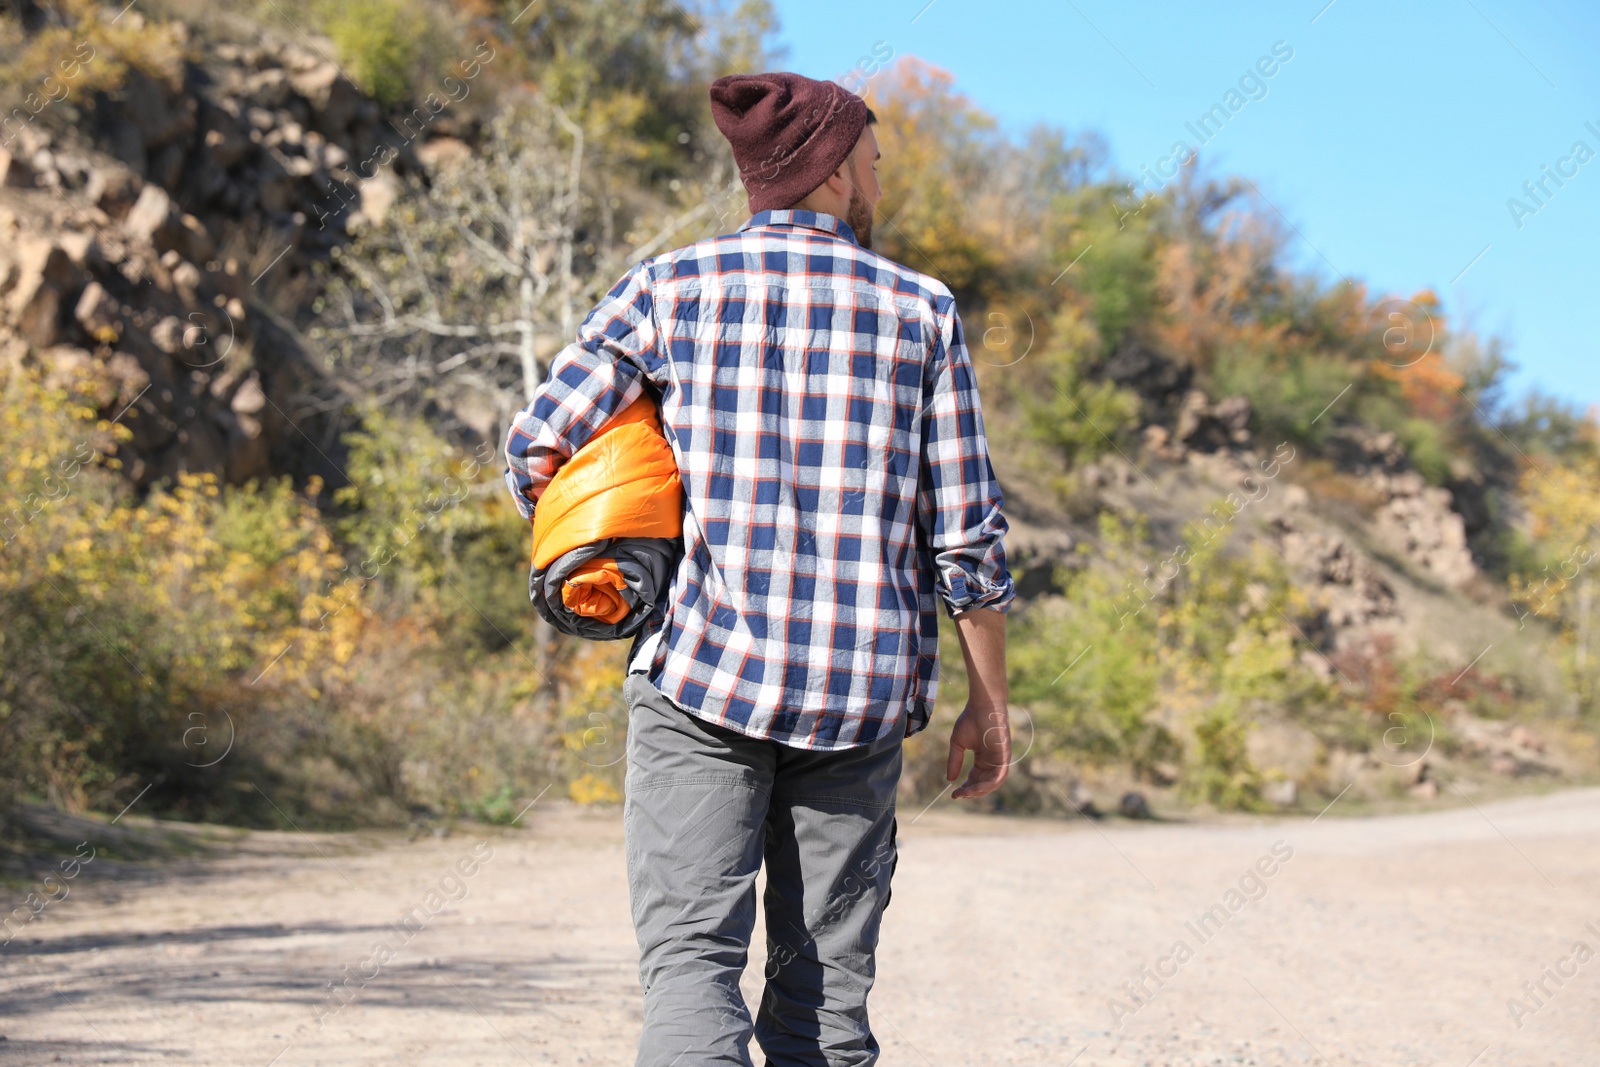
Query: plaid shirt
[820,402]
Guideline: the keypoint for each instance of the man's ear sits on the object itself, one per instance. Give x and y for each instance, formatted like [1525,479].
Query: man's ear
[847,178]
[840,181]
[852,175]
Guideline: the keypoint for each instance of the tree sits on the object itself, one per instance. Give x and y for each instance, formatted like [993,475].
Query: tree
[469,285]
[1565,511]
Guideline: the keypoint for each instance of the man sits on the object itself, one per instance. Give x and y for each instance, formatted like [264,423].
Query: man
[820,403]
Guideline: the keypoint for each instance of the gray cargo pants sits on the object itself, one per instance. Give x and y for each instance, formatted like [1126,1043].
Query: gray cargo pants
[705,805]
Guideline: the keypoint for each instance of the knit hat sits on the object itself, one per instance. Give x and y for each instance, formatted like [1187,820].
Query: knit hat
[788,132]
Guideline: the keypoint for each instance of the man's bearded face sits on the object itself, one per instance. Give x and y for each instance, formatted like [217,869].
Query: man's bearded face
[859,214]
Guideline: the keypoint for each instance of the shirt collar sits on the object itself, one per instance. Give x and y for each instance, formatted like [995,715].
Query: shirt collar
[815,220]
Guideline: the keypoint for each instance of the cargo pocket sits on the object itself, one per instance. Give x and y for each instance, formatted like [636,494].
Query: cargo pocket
[894,859]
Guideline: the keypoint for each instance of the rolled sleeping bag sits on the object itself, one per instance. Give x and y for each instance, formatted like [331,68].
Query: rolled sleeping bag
[608,529]
[607,590]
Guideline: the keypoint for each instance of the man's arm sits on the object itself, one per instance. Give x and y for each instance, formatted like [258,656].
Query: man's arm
[593,378]
[959,508]
[984,727]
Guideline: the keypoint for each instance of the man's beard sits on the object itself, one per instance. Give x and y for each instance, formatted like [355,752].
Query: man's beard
[858,216]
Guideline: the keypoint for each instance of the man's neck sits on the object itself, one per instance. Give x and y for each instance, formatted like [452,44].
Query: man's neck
[828,205]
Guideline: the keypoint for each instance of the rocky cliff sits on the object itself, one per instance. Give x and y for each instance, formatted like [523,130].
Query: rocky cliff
[163,250]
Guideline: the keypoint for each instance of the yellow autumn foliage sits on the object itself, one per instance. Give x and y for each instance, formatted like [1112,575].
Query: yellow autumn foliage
[125,615]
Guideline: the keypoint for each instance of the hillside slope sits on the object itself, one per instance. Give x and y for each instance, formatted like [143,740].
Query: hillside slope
[1261,560]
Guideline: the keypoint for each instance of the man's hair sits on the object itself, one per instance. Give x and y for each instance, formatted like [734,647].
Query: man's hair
[872,119]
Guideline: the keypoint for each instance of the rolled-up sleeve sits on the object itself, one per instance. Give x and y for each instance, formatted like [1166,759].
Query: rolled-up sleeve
[958,497]
[599,374]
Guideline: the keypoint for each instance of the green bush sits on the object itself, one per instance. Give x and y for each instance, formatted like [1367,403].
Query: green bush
[1287,389]
[381,43]
[132,628]
[1220,772]
[1117,271]
[1086,662]
[1081,418]
[1127,668]
[362,676]
[1428,446]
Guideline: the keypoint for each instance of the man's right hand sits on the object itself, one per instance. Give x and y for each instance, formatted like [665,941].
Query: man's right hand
[987,734]
[984,728]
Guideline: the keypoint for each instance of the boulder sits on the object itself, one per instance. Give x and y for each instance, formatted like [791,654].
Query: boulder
[99,313]
[15,171]
[45,173]
[80,248]
[30,138]
[1417,520]
[1080,800]
[1345,584]
[73,168]
[112,189]
[1361,449]
[1283,750]
[185,278]
[127,145]
[1523,737]
[1191,412]
[65,365]
[1147,372]
[209,180]
[269,87]
[1134,806]
[331,156]
[378,195]
[45,278]
[193,241]
[276,188]
[154,220]
[314,82]
[1282,794]
[167,335]
[334,102]
[224,143]
[249,398]
[128,375]
[443,153]
[1233,412]
[150,215]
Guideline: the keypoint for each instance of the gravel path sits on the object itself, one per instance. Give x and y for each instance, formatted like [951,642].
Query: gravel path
[1387,940]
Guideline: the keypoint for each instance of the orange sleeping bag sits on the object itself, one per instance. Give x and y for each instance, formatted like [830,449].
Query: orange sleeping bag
[623,483]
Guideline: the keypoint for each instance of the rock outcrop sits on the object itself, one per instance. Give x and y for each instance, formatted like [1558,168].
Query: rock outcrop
[1344,585]
[141,255]
[1416,520]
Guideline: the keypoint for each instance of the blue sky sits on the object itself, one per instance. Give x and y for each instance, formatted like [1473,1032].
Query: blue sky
[1392,139]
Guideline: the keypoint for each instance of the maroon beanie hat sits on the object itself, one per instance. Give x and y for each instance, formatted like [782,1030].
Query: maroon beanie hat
[788,132]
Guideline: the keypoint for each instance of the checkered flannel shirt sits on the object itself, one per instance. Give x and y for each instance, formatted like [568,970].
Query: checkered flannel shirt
[820,402]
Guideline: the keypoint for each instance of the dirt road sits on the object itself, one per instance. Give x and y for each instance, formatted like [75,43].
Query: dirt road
[1388,940]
